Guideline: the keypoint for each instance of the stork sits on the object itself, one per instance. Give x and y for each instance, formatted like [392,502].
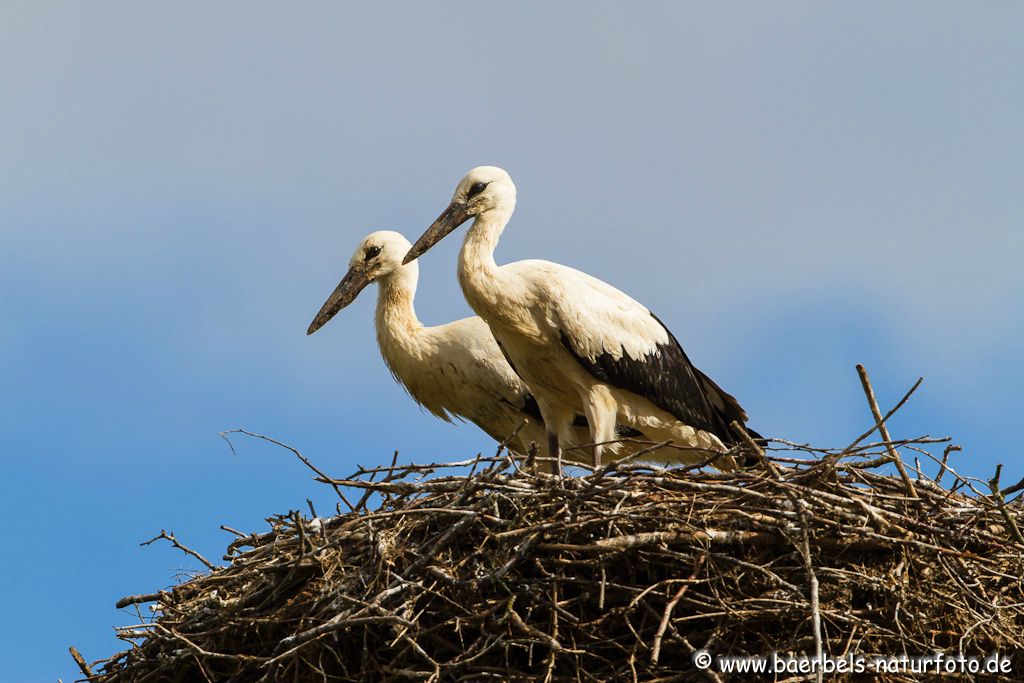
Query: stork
[454,370]
[579,343]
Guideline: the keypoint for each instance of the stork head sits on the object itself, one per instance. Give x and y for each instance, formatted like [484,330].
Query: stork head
[379,255]
[484,189]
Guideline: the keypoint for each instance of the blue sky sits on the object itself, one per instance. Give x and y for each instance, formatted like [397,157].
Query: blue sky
[793,188]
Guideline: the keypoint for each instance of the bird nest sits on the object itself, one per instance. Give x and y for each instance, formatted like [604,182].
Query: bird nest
[504,573]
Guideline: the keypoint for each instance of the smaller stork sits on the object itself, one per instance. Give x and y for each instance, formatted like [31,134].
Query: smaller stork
[455,370]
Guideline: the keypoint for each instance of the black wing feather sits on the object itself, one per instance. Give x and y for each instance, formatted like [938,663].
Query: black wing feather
[667,378]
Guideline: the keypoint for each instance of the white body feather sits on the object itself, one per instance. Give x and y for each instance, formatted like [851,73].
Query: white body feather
[454,370]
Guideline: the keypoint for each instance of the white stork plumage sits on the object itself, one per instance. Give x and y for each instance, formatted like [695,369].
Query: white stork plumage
[454,370]
[579,343]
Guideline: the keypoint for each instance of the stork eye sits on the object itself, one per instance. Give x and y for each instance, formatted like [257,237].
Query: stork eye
[476,189]
[371,252]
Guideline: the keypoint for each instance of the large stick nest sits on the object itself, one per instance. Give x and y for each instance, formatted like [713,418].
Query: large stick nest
[621,574]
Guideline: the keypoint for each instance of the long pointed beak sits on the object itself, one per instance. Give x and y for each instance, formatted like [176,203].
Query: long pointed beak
[344,294]
[455,215]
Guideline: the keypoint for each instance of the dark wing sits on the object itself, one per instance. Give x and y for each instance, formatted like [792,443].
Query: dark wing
[667,378]
[723,402]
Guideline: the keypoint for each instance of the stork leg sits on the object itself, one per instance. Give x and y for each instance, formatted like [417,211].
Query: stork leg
[558,422]
[601,410]
[555,452]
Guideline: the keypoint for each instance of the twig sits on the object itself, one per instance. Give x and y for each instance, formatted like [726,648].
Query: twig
[656,648]
[236,532]
[997,495]
[80,661]
[129,600]
[812,577]
[945,459]
[883,430]
[883,420]
[1010,490]
[755,449]
[300,456]
[185,549]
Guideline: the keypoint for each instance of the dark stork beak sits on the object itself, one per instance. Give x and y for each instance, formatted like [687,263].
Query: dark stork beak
[344,294]
[455,215]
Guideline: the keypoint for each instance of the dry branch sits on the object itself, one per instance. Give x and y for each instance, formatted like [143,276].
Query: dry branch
[169,536]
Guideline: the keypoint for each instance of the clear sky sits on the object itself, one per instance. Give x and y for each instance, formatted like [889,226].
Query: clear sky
[792,187]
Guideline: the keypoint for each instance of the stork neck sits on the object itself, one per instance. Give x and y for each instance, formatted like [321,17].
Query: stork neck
[395,318]
[476,258]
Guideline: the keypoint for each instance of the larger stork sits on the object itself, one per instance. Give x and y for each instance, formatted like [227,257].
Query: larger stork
[579,343]
[454,370]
